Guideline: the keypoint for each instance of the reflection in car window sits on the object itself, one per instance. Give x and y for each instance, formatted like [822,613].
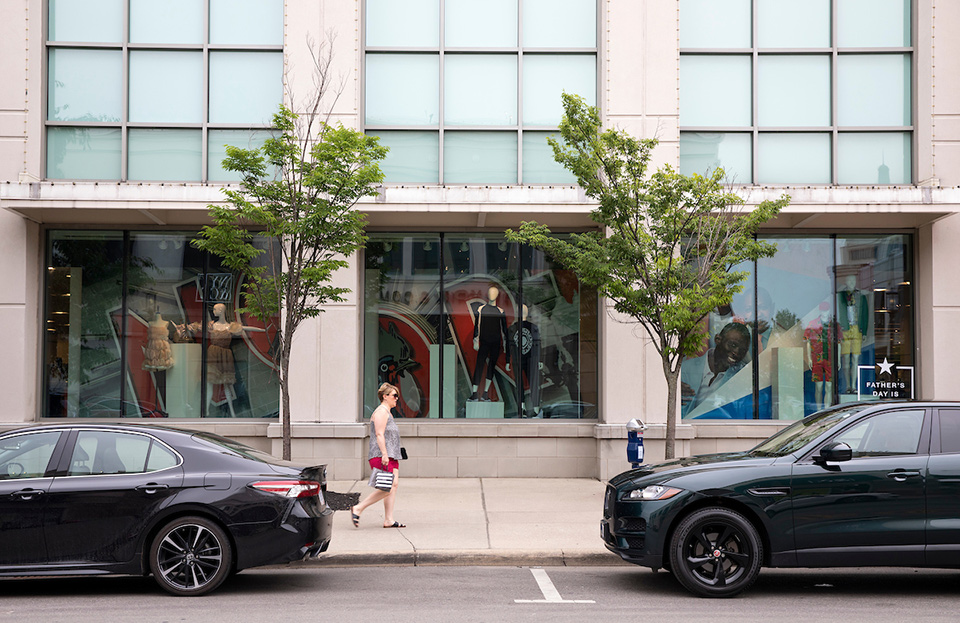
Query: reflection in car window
[111,452]
[949,430]
[886,434]
[26,456]
[798,435]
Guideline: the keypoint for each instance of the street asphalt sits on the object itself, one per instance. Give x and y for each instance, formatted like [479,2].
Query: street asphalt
[475,521]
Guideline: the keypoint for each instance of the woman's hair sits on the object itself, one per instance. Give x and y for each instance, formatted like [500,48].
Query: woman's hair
[384,389]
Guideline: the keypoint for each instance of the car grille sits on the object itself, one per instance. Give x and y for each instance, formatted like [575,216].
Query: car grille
[635,542]
[608,500]
[631,524]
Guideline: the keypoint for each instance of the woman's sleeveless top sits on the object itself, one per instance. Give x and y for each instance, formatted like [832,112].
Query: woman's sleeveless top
[391,436]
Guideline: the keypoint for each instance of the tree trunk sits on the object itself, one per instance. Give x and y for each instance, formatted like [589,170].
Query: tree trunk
[673,378]
[285,399]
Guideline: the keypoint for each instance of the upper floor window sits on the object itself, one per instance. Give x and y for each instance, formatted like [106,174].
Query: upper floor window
[786,92]
[467,92]
[153,91]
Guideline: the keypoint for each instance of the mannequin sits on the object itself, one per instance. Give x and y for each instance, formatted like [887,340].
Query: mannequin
[853,316]
[821,337]
[221,371]
[157,355]
[523,351]
[489,340]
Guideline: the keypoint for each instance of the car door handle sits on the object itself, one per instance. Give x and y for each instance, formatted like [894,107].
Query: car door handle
[151,488]
[27,494]
[901,475]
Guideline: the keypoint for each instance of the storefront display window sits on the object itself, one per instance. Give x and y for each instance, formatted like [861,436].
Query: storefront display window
[141,324]
[471,326]
[826,320]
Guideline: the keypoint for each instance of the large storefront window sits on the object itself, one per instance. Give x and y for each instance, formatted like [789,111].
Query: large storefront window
[471,326]
[826,320]
[141,324]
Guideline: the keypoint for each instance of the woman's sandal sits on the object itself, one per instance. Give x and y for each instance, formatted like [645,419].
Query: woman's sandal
[396,524]
[355,518]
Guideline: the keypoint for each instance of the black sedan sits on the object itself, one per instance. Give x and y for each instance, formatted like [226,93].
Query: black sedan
[866,484]
[191,508]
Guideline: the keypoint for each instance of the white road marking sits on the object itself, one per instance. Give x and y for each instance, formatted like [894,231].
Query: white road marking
[550,593]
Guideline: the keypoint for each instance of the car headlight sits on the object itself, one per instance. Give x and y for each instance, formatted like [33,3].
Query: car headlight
[652,492]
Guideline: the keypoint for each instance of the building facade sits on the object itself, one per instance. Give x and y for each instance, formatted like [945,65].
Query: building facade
[114,116]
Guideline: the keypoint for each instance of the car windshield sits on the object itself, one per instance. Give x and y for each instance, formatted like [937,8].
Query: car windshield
[798,435]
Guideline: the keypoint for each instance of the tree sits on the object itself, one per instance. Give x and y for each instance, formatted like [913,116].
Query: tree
[298,192]
[668,241]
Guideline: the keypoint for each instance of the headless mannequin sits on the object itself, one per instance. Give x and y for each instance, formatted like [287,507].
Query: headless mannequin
[820,337]
[489,340]
[853,316]
[523,351]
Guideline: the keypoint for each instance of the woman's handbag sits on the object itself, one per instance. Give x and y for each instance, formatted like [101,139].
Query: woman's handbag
[383,480]
[403,453]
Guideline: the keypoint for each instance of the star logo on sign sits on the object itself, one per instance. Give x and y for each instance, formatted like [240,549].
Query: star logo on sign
[886,367]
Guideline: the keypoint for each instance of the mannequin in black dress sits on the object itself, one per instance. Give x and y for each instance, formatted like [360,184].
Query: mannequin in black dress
[489,340]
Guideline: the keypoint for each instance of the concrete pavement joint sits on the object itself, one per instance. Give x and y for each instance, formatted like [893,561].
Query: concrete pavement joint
[486,516]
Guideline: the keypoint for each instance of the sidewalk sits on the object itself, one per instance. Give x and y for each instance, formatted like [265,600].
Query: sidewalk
[475,521]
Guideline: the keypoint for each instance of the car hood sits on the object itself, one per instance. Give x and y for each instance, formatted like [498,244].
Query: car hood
[668,470]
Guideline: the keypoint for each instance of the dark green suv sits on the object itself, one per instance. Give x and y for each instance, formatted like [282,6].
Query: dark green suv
[868,484]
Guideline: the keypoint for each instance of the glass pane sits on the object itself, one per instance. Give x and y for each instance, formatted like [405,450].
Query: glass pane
[873,23]
[102,452]
[480,89]
[715,24]
[794,91]
[794,159]
[257,75]
[875,315]
[717,383]
[797,373]
[171,21]
[166,87]
[480,282]
[539,167]
[27,456]
[702,78]
[83,153]
[403,23]
[84,319]
[86,20]
[552,347]
[559,23]
[217,140]
[792,24]
[413,157]
[546,77]
[85,85]
[246,22]
[402,326]
[873,90]
[480,158]
[164,155]
[886,434]
[703,152]
[160,458]
[492,23]
[874,158]
[403,89]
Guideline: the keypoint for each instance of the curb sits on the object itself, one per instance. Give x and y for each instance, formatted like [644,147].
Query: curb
[464,558]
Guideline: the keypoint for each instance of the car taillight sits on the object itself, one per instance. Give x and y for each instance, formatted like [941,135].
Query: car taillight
[289,488]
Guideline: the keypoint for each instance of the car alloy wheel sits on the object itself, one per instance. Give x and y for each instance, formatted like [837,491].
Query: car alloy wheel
[190,556]
[716,552]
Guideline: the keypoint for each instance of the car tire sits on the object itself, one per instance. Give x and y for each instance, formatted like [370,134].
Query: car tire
[716,552]
[190,556]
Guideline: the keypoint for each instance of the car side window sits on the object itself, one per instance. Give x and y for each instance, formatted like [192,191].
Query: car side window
[109,452]
[27,456]
[886,434]
[949,430]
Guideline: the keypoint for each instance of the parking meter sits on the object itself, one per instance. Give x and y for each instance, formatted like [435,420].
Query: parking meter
[635,430]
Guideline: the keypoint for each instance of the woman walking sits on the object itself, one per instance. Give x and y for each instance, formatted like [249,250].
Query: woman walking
[384,455]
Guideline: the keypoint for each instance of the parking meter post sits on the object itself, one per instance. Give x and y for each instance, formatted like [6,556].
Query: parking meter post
[635,430]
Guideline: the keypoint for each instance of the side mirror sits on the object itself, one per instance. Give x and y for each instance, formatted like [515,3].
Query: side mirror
[835,452]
